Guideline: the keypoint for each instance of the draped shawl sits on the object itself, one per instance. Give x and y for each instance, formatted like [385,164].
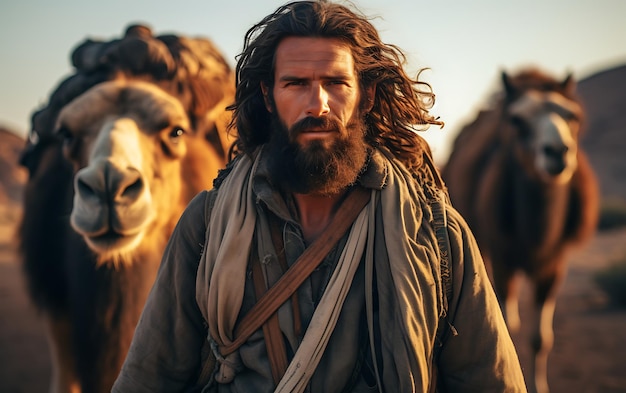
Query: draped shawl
[402,261]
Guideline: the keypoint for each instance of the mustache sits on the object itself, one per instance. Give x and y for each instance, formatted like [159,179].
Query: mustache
[323,123]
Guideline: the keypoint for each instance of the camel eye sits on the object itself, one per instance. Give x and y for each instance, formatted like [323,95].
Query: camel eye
[67,137]
[571,118]
[176,133]
[65,134]
[522,127]
[69,141]
[172,141]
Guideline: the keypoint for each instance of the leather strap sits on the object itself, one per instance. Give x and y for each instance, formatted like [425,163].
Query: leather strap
[271,329]
[302,268]
[276,230]
[274,342]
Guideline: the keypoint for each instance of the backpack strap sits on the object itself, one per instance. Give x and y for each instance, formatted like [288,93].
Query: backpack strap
[444,326]
[440,221]
[274,342]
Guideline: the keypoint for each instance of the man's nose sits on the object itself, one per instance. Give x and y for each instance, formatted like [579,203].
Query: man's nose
[318,101]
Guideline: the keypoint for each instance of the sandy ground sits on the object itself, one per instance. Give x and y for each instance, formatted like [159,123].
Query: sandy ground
[589,354]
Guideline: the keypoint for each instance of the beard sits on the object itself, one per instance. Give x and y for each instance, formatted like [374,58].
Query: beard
[320,167]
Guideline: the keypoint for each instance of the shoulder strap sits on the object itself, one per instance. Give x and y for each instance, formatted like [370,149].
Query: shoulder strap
[444,327]
[440,221]
[274,343]
[302,268]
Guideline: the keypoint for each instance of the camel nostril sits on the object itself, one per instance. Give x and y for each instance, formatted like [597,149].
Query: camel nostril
[133,190]
[85,190]
[555,159]
[125,185]
[555,152]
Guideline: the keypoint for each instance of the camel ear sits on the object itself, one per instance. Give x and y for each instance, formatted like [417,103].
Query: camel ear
[206,95]
[509,88]
[569,84]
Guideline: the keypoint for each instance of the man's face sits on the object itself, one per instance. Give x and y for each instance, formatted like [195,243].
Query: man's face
[317,145]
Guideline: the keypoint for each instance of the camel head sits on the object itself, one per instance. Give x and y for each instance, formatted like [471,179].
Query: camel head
[127,142]
[546,120]
[139,128]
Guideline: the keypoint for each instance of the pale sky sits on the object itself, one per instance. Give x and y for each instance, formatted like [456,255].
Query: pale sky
[466,44]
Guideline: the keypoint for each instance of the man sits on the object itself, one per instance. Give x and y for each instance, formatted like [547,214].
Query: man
[324,110]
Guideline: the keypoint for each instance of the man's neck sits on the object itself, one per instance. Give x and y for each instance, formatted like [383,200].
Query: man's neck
[315,212]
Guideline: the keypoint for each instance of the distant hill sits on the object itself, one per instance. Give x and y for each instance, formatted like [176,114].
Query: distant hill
[12,175]
[604,98]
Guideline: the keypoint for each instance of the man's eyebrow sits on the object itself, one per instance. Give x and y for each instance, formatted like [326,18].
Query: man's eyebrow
[291,78]
[339,76]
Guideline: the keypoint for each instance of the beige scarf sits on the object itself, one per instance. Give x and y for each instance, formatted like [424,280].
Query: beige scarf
[402,276]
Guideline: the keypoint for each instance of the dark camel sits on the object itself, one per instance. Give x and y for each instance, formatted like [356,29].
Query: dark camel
[519,176]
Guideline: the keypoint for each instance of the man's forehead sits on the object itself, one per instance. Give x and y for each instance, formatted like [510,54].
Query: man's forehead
[315,53]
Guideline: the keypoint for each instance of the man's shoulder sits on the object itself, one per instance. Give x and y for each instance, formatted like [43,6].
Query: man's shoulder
[223,173]
[199,206]
[424,176]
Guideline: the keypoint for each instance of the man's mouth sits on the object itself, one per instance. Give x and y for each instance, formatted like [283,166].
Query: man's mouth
[311,134]
[317,131]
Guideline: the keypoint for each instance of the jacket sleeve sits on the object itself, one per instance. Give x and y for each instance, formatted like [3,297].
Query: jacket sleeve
[481,357]
[164,355]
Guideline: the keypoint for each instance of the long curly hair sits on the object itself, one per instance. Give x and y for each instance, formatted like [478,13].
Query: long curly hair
[401,103]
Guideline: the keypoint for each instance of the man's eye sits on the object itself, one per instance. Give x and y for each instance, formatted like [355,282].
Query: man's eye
[338,82]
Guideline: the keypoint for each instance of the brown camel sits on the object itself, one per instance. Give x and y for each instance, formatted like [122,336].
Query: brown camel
[519,176]
[122,146]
